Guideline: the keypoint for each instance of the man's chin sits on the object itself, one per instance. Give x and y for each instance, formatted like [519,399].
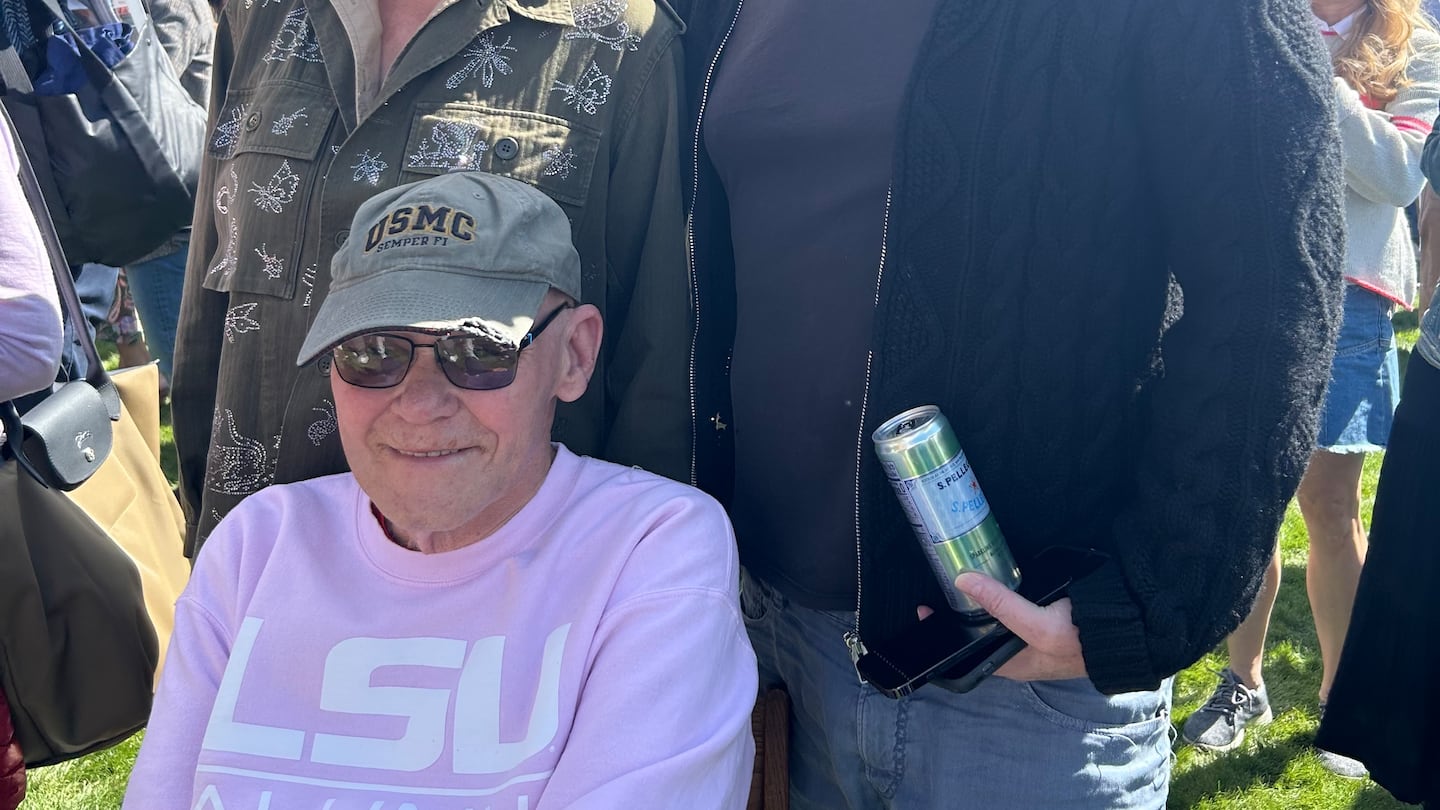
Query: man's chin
[410,522]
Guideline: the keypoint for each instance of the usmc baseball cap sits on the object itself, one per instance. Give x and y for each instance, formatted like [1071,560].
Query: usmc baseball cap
[466,252]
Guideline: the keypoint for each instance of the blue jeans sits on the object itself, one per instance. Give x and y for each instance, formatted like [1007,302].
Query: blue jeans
[1006,744]
[95,287]
[156,285]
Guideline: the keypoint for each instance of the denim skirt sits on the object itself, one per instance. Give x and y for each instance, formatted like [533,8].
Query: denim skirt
[1364,378]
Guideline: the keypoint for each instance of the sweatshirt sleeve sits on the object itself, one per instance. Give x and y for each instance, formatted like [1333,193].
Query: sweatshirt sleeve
[1247,186]
[30,327]
[1381,148]
[164,774]
[664,713]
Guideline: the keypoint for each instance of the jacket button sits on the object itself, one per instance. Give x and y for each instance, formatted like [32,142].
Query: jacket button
[340,237]
[253,122]
[507,148]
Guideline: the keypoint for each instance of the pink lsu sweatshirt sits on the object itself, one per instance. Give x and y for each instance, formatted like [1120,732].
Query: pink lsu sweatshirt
[589,654]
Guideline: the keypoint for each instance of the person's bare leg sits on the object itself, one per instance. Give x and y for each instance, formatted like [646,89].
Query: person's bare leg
[1329,499]
[1247,643]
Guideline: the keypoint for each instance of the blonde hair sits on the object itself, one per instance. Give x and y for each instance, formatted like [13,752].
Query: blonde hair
[1374,57]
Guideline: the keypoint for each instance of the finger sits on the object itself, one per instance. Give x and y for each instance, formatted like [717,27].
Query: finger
[924,612]
[1024,618]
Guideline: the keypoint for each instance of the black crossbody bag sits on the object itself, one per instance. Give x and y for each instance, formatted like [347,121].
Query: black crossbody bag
[78,650]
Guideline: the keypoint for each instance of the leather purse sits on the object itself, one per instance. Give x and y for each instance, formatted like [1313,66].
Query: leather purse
[65,438]
[91,541]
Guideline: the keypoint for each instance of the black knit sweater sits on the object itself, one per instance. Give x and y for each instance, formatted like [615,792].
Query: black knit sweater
[1113,260]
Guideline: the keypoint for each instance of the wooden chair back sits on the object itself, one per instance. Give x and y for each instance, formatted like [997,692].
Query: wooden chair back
[770,723]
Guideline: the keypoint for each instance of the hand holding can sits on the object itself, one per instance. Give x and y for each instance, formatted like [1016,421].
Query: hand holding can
[943,502]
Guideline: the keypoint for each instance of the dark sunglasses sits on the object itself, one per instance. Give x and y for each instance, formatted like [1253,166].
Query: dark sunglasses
[380,360]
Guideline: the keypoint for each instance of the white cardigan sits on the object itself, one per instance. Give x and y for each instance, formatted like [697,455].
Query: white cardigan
[1381,150]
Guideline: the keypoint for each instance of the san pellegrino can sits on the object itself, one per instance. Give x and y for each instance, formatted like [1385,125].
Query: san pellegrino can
[942,499]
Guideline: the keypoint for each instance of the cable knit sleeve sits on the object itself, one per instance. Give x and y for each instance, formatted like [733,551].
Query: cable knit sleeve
[1236,105]
[1382,146]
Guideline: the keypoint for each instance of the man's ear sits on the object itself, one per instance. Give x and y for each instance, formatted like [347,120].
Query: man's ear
[582,347]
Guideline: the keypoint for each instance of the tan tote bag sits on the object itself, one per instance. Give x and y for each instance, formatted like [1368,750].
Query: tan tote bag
[134,503]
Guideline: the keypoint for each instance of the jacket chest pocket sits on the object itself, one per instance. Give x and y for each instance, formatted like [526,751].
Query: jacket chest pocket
[554,155]
[270,146]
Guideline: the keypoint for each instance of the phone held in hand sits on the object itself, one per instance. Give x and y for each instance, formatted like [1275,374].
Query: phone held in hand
[956,653]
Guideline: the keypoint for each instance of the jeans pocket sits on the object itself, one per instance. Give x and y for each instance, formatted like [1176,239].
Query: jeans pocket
[1076,705]
[1115,749]
[755,598]
[1365,327]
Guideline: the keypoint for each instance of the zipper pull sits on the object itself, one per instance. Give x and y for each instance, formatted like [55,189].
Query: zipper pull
[857,649]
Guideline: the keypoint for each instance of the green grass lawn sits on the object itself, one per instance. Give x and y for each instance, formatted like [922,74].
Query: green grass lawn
[96,782]
[1275,769]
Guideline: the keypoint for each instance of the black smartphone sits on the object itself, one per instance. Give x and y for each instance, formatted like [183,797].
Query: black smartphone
[956,653]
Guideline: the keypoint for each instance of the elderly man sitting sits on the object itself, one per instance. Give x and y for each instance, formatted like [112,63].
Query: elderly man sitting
[473,617]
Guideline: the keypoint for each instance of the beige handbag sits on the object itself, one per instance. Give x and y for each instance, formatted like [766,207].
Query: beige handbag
[130,498]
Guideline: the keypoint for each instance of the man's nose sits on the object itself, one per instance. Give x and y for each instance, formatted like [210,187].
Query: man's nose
[425,393]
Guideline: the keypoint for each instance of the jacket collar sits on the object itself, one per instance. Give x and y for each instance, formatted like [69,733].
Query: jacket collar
[560,12]
[349,36]
[465,19]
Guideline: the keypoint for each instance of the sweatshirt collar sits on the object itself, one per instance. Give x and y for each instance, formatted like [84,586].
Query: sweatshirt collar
[1340,29]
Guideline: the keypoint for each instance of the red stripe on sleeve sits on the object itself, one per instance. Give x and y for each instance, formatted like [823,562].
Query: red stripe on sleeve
[1405,122]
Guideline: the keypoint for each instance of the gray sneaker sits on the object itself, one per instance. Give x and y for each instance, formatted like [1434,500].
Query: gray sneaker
[1339,764]
[1220,724]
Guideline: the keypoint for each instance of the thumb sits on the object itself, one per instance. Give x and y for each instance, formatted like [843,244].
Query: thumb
[1024,618]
